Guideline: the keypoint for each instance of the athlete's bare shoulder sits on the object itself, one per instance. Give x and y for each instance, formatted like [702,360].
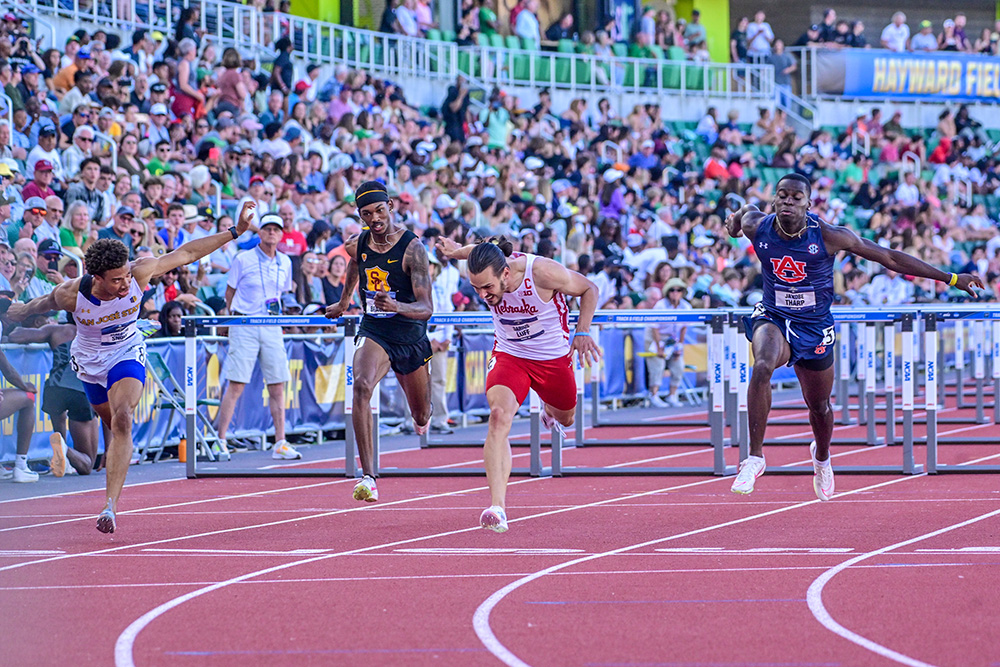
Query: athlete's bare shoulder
[351,246]
[415,257]
[65,294]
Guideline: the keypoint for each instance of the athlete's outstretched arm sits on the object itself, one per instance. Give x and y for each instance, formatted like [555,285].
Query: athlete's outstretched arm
[334,311]
[416,265]
[148,268]
[452,250]
[554,276]
[841,238]
[744,222]
[63,297]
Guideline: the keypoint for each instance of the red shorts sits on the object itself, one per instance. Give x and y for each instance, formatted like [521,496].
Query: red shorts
[552,379]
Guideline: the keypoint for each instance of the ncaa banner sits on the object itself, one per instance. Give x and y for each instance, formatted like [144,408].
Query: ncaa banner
[941,76]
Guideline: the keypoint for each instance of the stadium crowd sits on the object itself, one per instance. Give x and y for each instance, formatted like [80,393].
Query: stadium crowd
[157,139]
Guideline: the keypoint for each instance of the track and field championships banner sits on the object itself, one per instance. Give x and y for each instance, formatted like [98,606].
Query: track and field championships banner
[913,76]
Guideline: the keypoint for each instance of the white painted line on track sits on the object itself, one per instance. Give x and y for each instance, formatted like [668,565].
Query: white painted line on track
[481,617]
[814,596]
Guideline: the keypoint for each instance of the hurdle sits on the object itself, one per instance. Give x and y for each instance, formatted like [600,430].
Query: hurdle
[350,467]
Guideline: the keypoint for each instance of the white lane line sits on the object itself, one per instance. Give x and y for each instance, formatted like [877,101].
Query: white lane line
[659,458]
[980,460]
[75,493]
[183,504]
[481,617]
[814,596]
[473,575]
[126,641]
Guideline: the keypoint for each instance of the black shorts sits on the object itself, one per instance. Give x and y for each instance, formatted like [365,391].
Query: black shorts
[404,358]
[57,400]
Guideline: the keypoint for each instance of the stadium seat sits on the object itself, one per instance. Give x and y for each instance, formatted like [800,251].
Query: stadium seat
[434,35]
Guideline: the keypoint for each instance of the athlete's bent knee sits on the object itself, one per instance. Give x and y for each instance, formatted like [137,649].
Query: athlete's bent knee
[821,409]
[501,416]
[567,418]
[121,421]
[363,388]
[763,369]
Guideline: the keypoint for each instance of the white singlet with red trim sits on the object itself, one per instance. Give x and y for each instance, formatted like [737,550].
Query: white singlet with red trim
[529,328]
[106,333]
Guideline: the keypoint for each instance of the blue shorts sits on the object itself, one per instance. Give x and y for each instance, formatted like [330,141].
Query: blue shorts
[130,368]
[811,344]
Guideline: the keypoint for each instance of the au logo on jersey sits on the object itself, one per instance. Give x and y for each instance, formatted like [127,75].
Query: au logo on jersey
[378,279]
[788,270]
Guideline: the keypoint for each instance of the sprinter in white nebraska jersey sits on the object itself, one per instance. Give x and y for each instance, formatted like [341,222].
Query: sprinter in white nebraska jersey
[532,350]
[109,353]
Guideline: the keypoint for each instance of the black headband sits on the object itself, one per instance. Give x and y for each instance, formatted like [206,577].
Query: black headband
[371,192]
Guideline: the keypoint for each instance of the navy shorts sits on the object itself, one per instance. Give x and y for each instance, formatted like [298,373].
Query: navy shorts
[811,345]
[404,358]
[98,395]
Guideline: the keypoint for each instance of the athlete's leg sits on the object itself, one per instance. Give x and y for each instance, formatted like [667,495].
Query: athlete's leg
[228,406]
[816,388]
[123,397]
[417,389]
[371,363]
[770,351]
[17,401]
[276,404]
[496,452]
[83,453]
[564,417]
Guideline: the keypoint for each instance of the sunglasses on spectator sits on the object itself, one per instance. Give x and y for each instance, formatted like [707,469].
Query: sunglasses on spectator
[676,289]
[55,210]
[314,261]
[136,232]
[10,262]
[84,116]
[39,211]
[87,139]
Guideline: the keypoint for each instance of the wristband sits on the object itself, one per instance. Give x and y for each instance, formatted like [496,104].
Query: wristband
[232,230]
[954,280]
[578,333]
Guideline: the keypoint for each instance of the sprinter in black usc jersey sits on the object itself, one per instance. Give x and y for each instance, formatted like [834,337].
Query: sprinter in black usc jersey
[389,266]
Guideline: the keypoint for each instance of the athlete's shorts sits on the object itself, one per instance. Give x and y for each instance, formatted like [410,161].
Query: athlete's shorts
[98,394]
[811,345]
[404,358]
[250,345]
[57,400]
[552,379]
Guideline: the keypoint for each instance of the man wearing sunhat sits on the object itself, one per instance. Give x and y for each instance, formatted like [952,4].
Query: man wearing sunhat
[255,286]
[665,341]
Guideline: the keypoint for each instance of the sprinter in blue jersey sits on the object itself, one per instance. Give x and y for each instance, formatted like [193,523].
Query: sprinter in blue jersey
[793,324]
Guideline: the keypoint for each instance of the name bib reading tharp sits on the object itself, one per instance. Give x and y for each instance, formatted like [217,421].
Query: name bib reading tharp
[797,300]
[372,309]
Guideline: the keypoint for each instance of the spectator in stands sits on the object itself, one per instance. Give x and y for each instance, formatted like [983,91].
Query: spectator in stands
[828,26]
[80,150]
[925,39]
[857,39]
[406,19]
[561,29]
[527,27]
[738,41]
[784,65]
[896,35]
[694,31]
[949,39]
[759,36]
[811,37]
[963,39]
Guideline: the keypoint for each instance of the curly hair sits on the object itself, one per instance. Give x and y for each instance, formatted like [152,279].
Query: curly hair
[105,255]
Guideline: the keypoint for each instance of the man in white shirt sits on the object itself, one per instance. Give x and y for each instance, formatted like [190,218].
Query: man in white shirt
[925,39]
[890,289]
[83,141]
[440,337]
[407,18]
[526,26]
[908,193]
[759,36]
[896,35]
[255,283]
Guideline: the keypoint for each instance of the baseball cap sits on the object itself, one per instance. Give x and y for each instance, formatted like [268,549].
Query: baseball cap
[158,87]
[206,211]
[533,163]
[30,68]
[444,201]
[49,247]
[675,283]
[271,219]
[5,170]
[925,24]
[125,210]
[814,27]
[158,110]
[47,130]
[292,133]
[35,202]
[288,301]
[612,175]
[459,299]
[256,179]
[83,54]
[302,188]
[224,123]
[948,23]
[301,86]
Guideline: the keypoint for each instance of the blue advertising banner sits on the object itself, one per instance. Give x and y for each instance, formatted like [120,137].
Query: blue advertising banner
[915,76]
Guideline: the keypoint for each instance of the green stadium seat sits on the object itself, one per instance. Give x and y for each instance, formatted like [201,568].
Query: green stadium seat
[496,41]
[434,35]
[448,35]
[512,42]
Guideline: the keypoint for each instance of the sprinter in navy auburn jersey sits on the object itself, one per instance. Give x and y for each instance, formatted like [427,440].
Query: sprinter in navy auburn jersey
[793,324]
[395,288]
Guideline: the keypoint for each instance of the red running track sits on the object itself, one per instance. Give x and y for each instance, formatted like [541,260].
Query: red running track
[594,571]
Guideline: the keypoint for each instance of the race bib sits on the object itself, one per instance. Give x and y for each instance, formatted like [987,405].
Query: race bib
[800,300]
[118,333]
[373,310]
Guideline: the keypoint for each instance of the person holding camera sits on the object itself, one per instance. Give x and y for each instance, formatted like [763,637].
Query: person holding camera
[47,275]
[255,285]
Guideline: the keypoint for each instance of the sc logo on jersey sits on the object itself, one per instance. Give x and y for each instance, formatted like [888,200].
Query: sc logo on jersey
[788,270]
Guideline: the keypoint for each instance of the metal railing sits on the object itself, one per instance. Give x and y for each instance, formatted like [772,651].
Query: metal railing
[910,162]
[231,24]
[861,141]
[9,107]
[112,146]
